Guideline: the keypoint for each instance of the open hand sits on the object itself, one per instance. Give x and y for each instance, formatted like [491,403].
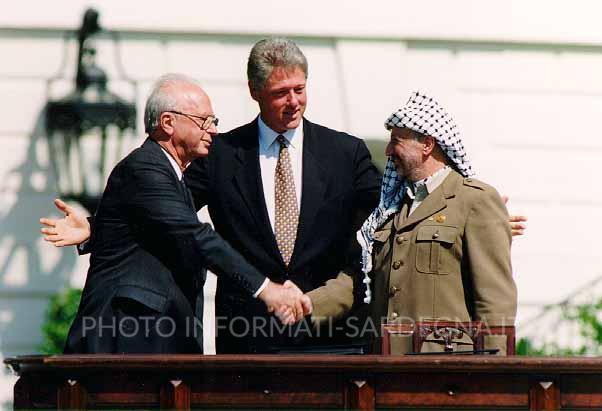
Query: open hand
[73,229]
[517,222]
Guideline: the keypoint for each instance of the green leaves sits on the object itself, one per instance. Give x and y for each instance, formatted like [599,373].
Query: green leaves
[59,316]
[587,319]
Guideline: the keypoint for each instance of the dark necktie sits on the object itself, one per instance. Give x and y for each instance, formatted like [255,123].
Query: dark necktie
[287,210]
[187,194]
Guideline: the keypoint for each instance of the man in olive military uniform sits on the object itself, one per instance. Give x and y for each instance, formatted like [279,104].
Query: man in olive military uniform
[438,245]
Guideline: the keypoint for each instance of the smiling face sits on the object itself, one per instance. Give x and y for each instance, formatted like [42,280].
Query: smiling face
[406,152]
[283,99]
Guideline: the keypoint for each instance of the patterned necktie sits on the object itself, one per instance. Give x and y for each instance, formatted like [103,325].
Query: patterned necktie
[287,211]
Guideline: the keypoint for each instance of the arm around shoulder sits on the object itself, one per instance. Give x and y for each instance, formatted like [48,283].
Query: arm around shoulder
[488,240]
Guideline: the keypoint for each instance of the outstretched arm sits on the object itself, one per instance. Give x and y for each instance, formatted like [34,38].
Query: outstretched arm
[73,229]
[487,253]
[517,222]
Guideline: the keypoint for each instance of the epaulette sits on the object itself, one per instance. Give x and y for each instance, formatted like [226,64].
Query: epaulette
[473,182]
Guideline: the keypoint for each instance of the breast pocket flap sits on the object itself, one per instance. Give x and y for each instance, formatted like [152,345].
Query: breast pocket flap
[437,233]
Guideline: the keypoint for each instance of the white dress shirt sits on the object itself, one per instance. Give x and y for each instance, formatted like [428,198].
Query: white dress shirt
[173,163]
[268,158]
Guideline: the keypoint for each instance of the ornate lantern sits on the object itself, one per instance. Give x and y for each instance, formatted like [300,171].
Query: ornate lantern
[80,124]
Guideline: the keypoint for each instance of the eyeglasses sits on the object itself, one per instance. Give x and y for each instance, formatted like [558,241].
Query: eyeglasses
[206,121]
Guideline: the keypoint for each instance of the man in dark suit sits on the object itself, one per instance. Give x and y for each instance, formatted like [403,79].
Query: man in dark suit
[144,289]
[333,185]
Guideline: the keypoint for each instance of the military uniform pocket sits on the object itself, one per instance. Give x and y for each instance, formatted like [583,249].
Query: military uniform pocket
[381,245]
[433,249]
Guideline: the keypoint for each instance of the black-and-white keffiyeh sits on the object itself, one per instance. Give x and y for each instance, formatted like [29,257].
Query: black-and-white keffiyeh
[424,115]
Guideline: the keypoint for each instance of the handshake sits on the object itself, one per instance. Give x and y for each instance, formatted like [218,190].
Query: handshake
[286,301]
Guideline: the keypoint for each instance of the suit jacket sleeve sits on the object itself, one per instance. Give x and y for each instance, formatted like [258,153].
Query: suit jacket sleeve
[367,181]
[168,224]
[338,296]
[86,246]
[333,300]
[488,239]
[196,177]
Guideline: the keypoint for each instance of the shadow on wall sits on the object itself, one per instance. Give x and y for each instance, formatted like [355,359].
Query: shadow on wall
[31,270]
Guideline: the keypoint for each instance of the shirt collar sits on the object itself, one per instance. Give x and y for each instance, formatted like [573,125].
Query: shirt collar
[173,163]
[424,187]
[267,136]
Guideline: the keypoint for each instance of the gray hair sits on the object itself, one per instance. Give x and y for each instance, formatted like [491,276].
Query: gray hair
[269,53]
[161,99]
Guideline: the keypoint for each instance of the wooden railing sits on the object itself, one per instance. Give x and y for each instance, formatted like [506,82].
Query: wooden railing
[304,381]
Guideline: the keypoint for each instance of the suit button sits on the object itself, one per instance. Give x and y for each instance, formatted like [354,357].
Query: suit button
[393,290]
[400,239]
[394,315]
[397,264]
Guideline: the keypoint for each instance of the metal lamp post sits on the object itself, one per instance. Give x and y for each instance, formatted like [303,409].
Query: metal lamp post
[90,111]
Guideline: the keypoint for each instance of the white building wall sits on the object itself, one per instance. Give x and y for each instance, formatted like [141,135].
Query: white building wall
[522,79]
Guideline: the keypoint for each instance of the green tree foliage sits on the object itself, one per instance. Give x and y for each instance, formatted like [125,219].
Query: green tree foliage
[59,316]
[588,319]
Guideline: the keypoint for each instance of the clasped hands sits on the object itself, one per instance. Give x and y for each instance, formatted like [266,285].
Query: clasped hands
[286,301]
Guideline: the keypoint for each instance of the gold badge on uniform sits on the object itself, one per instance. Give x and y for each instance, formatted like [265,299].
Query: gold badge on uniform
[440,218]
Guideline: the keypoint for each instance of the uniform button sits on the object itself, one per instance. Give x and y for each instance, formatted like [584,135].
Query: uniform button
[436,235]
[394,315]
[400,239]
[393,290]
[397,264]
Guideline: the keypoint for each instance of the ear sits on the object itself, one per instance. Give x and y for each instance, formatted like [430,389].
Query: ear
[166,123]
[252,91]
[429,145]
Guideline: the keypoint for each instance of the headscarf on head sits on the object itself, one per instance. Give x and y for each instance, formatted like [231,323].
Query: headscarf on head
[424,115]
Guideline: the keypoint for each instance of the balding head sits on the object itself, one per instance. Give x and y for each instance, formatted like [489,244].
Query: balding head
[170,92]
[179,116]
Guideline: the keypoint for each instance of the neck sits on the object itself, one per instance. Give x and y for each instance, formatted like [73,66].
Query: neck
[428,169]
[171,150]
[271,126]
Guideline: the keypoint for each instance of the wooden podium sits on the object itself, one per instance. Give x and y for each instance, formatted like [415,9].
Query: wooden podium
[304,381]
[447,332]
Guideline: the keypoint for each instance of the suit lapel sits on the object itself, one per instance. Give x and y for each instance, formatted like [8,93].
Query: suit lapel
[180,181]
[247,179]
[313,188]
[434,202]
[154,147]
